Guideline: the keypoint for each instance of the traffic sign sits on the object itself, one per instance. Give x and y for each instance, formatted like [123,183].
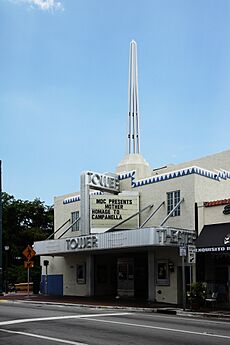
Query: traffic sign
[183,251]
[191,254]
[28,264]
[29,253]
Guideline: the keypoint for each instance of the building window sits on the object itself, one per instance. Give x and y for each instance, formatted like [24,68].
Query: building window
[172,200]
[81,273]
[74,217]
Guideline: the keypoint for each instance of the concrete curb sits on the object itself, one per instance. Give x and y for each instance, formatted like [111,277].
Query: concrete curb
[209,315]
[194,314]
[163,310]
[78,305]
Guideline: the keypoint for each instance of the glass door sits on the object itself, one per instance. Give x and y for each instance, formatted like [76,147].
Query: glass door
[125,279]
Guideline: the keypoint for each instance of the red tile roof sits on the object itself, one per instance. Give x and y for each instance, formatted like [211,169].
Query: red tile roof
[217,202]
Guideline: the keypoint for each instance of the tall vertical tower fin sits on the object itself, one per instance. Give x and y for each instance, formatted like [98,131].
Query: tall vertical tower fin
[133,160]
[133,102]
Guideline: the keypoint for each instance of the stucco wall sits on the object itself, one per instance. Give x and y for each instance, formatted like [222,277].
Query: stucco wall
[167,293]
[220,160]
[62,212]
[67,266]
[71,287]
[212,215]
[157,193]
[193,188]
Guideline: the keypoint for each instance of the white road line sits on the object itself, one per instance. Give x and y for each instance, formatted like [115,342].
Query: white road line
[63,341]
[38,319]
[193,319]
[161,328]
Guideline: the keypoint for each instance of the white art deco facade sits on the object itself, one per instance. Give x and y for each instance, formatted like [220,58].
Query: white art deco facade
[124,232]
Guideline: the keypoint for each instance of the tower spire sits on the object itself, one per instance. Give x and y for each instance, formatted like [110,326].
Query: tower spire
[133,102]
[133,161]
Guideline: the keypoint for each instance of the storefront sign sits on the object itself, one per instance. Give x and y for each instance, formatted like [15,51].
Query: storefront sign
[226,209]
[180,237]
[82,242]
[104,182]
[107,211]
[109,240]
[213,250]
[91,180]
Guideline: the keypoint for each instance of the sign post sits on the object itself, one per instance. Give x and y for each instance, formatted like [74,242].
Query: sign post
[28,281]
[191,261]
[29,253]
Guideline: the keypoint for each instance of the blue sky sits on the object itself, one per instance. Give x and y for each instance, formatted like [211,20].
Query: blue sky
[63,86]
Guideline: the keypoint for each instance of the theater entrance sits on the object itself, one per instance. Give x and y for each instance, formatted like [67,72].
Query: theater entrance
[124,276]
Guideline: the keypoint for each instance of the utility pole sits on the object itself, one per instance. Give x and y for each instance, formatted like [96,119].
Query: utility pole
[183,254]
[183,284]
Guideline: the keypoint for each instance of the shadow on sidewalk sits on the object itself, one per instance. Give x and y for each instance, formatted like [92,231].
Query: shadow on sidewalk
[115,303]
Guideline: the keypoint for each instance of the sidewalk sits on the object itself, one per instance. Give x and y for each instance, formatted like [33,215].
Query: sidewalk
[118,303]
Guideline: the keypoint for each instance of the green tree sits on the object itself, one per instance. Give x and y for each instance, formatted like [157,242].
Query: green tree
[24,222]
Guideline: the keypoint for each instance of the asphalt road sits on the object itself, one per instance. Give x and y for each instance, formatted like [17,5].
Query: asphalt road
[27,323]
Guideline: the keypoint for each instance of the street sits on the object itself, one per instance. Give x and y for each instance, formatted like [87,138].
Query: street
[39,323]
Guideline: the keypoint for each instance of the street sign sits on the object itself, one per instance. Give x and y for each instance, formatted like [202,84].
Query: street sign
[183,251]
[191,254]
[28,264]
[29,253]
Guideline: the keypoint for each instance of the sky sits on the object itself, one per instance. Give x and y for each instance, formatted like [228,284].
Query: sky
[64,87]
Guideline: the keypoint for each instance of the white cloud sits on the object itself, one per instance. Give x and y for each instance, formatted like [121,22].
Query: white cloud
[44,5]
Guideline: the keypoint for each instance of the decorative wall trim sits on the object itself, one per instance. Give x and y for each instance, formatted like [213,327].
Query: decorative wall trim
[216,176]
[78,198]
[129,174]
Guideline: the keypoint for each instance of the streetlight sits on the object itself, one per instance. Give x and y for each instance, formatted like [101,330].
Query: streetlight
[6,268]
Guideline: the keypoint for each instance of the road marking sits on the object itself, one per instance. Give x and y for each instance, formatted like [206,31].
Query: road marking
[38,319]
[161,328]
[91,317]
[64,341]
[190,318]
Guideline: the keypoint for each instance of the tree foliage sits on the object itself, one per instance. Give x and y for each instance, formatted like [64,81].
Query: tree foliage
[24,222]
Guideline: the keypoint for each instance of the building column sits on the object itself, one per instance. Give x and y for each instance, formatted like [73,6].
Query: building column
[228,283]
[151,276]
[90,275]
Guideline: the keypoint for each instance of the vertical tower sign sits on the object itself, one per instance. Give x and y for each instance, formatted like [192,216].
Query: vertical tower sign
[103,182]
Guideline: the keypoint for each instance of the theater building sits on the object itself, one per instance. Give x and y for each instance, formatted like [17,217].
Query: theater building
[126,233]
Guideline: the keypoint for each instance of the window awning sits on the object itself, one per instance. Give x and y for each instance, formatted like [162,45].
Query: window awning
[214,238]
